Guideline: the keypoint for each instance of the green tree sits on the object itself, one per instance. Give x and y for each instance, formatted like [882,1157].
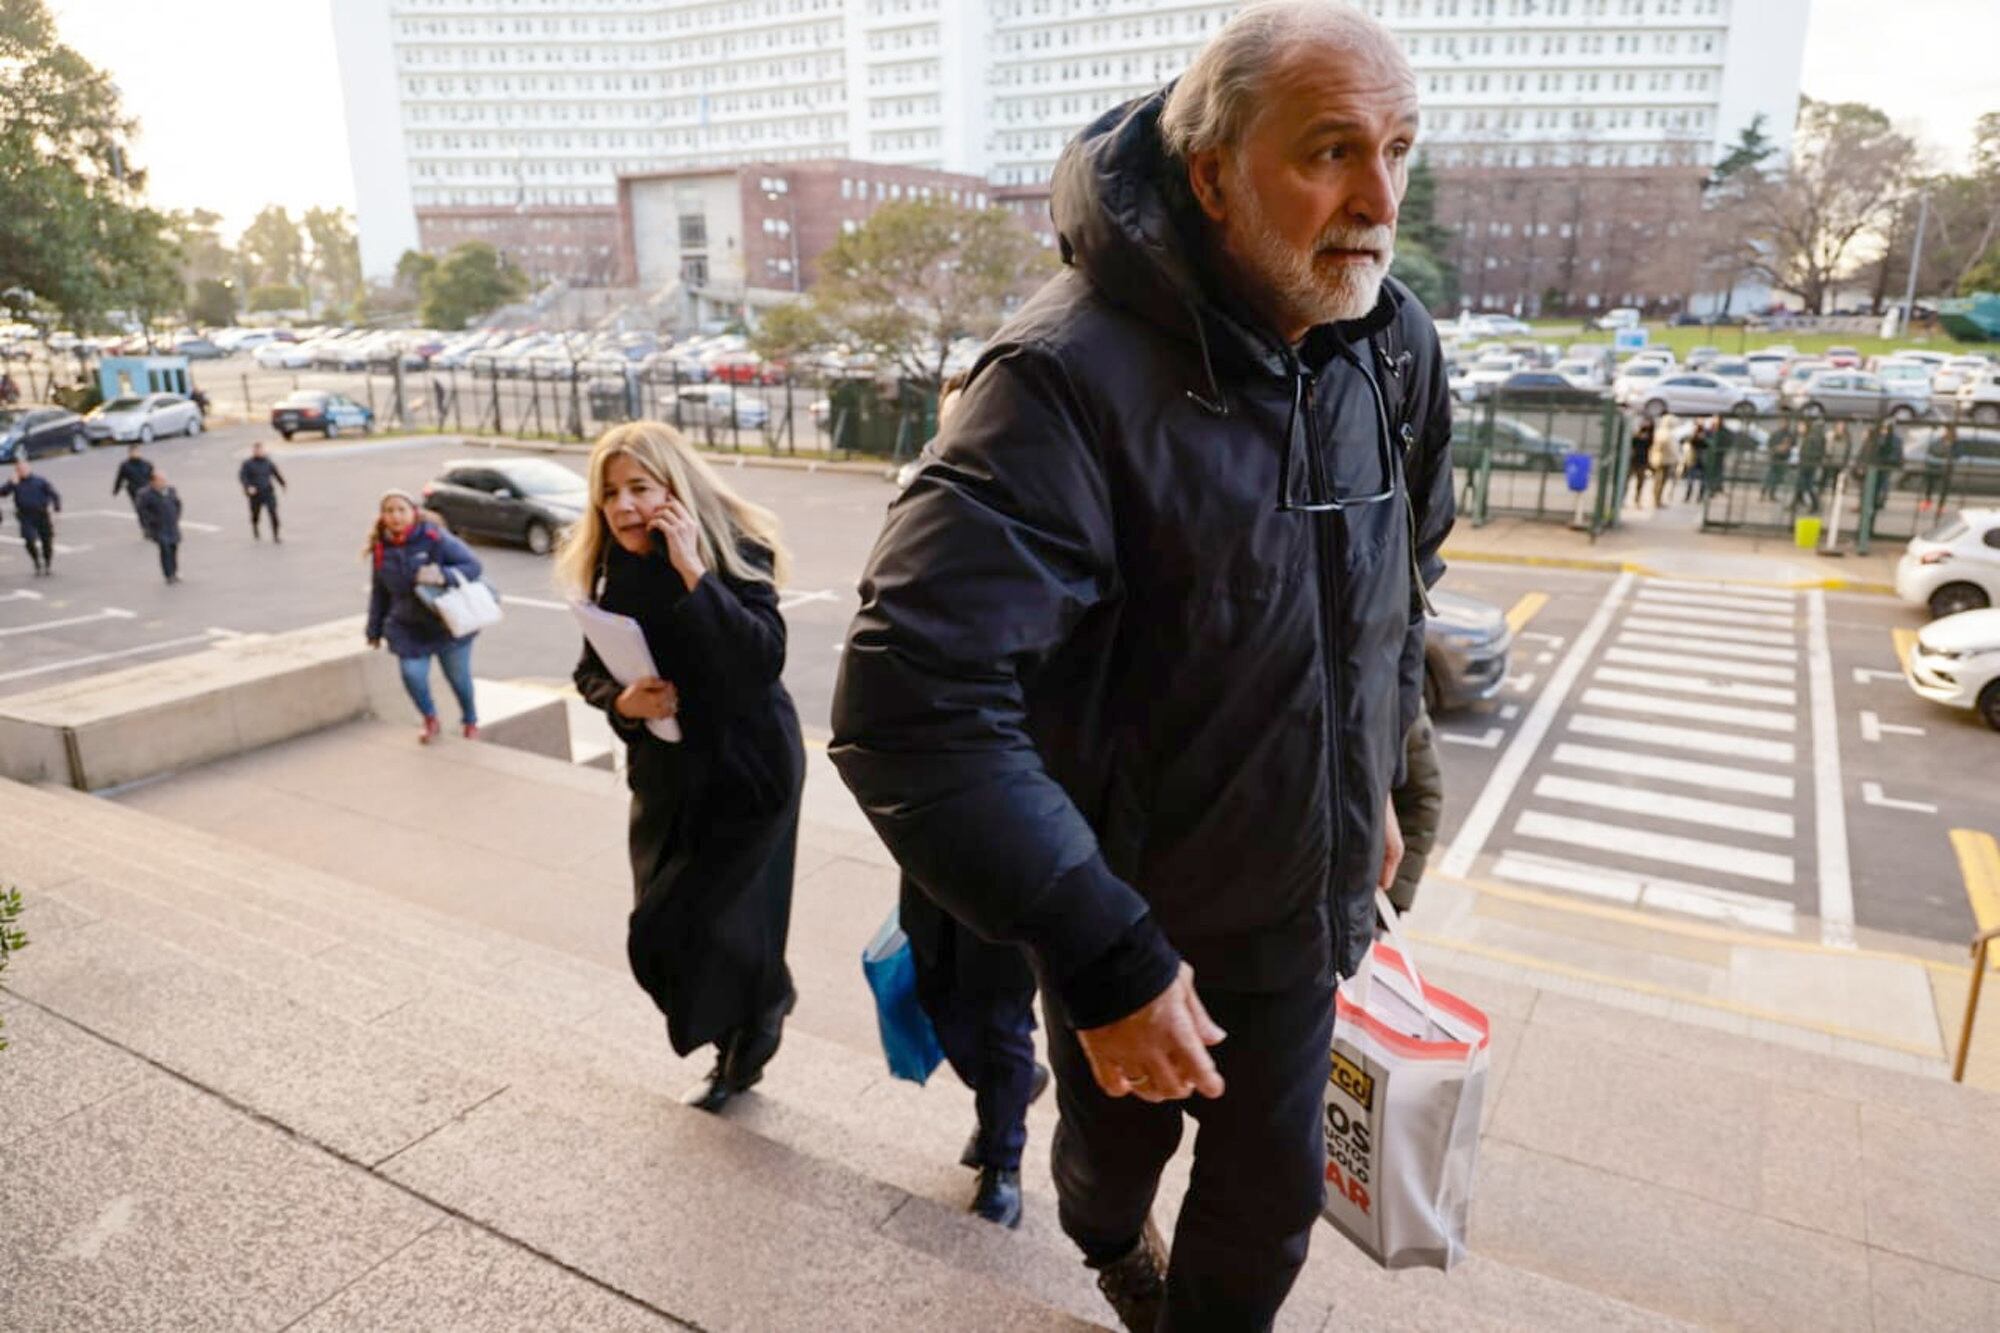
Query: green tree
[335,258]
[1982,276]
[1752,149]
[277,296]
[784,331]
[203,251]
[413,268]
[1423,244]
[919,275]
[273,249]
[471,280]
[213,302]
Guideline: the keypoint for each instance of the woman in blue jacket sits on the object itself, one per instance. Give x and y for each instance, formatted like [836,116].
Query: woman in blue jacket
[410,549]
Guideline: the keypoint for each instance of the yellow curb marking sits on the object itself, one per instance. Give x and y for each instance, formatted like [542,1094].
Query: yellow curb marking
[1979,862]
[1525,610]
[1905,641]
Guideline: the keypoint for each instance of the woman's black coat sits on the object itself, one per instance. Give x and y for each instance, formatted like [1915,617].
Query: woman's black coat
[714,833]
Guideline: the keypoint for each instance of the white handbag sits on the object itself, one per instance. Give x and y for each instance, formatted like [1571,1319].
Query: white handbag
[466,606]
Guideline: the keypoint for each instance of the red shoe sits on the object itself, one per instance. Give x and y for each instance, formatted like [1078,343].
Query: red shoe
[429,731]
[470,731]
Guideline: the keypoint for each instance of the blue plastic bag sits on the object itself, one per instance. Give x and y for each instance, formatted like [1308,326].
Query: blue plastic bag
[908,1039]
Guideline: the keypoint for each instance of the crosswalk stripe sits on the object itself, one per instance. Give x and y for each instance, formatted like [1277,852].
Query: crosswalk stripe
[1661,805]
[1723,743]
[1715,601]
[1555,872]
[1703,664]
[1693,683]
[1713,647]
[1778,596]
[1770,867]
[1759,719]
[1651,607]
[1733,634]
[1658,768]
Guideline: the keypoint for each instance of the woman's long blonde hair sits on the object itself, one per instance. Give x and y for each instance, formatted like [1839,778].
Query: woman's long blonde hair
[725,517]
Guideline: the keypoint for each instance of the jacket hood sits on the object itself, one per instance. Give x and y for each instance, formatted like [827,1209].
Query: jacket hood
[1129,224]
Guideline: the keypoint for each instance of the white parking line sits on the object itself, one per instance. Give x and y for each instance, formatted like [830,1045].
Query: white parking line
[21,595]
[1729,633]
[1701,665]
[61,548]
[1723,743]
[1873,728]
[1677,683]
[1871,792]
[1759,719]
[1507,774]
[1708,615]
[1713,777]
[1771,867]
[794,599]
[1712,646]
[1836,882]
[95,658]
[1863,675]
[1744,909]
[1660,805]
[129,517]
[535,603]
[108,613]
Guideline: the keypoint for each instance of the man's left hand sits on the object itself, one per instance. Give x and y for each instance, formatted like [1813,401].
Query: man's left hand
[1392,846]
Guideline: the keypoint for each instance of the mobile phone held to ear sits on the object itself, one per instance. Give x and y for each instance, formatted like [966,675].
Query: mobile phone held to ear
[659,542]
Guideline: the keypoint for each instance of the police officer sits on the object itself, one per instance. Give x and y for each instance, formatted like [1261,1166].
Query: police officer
[34,500]
[133,474]
[160,515]
[260,479]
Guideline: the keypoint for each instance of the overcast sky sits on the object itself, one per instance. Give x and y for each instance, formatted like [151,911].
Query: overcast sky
[242,107]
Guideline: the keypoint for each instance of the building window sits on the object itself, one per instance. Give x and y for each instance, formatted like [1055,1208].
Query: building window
[694,270]
[694,231]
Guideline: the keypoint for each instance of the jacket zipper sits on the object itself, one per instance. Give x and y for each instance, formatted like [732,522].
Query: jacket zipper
[1326,547]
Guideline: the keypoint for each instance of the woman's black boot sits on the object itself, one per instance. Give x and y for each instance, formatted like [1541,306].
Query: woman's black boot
[752,1048]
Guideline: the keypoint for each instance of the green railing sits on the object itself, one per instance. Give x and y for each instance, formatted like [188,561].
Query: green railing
[1511,459]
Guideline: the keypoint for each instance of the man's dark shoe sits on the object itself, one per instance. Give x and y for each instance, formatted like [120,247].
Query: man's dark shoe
[1136,1285]
[714,1091]
[746,1054]
[970,1157]
[999,1197]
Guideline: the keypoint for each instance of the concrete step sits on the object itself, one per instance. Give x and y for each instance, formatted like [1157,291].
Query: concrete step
[1594,1099]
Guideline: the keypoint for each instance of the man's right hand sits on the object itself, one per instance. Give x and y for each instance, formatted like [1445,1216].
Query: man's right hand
[648,700]
[1158,1053]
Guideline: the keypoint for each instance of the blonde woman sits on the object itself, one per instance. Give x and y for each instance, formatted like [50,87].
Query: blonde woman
[715,816]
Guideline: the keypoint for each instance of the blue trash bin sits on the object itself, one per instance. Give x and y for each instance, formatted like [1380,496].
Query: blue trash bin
[1576,471]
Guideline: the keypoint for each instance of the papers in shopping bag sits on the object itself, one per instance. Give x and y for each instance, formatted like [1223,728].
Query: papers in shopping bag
[621,646]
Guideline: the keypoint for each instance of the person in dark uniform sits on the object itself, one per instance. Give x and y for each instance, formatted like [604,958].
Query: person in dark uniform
[133,474]
[160,517]
[259,477]
[715,814]
[1640,452]
[35,501]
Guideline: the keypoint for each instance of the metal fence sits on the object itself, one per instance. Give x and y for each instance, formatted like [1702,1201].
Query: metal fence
[1546,461]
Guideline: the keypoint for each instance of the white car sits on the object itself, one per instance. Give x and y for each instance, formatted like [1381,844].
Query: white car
[1767,367]
[1620,317]
[141,419]
[1979,397]
[1949,379]
[1584,373]
[1636,380]
[284,356]
[1954,568]
[1956,662]
[1489,372]
[1704,395]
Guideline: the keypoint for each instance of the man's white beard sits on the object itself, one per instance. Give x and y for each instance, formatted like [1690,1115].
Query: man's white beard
[1310,290]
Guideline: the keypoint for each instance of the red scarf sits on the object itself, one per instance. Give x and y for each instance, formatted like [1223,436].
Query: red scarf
[383,539]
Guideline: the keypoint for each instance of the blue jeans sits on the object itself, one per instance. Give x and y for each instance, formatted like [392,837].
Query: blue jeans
[457,663]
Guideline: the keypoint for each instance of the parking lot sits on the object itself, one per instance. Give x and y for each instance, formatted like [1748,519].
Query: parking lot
[1744,755]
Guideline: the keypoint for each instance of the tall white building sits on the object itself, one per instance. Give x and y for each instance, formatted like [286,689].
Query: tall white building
[514,119]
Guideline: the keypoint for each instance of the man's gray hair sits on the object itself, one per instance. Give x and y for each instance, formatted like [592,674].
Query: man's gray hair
[1217,99]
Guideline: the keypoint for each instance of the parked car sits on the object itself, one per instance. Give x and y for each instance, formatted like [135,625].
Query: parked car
[1545,386]
[1466,642]
[1734,368]
[1979,397]
[1767,367]
[1950,377]
[714,405]
[1907,374]
[1972,453]
[1514,442]
[319,410]
[1619,317]
[1953,568]
[143,418]
[1492,370]
[525,500]
[1703,395]
[341,352]
[283,356]
[1699,357]
[1843,358]
[1855,393]
[198,349]
[33,431]
[1635,380]
[1956,662]
[1584,373]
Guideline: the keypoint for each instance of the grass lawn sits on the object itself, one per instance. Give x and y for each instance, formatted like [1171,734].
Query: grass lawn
[1740,340]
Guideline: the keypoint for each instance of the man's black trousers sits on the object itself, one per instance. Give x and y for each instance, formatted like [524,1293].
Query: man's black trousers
[170,560]
[260,501]
[39,533]
[989,1037]
[1259,1167]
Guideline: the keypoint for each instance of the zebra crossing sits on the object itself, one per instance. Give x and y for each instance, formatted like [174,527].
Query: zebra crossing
[1678,760]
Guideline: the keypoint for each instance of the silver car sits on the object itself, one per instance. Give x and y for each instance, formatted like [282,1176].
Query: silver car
[1466,642]
[141,419]
[1856,393]
[1703,395]
[715,405]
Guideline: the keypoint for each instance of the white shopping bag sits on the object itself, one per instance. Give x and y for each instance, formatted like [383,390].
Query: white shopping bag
[1402,1110]
[466,606]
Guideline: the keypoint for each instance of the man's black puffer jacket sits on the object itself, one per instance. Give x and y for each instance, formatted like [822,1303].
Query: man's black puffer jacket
[1102,698]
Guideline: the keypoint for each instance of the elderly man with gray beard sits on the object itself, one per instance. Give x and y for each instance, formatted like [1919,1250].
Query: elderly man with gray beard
[1138,648]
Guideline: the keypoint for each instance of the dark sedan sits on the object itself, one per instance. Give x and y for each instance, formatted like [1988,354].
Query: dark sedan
[318,410]
[1545,387]
[525,500]
[33,431]
[1466,643]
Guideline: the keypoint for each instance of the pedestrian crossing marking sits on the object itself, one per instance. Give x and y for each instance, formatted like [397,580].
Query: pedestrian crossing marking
[1642,890]
[1658,607]
[1715,602]
[1769,867]
[1525,610]
[1780,596]
[1683,738]
[1659,805]
[1716,777]
[1731,633]
[1679,683]
[1702,665]
[1712,647]
[1759,719]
